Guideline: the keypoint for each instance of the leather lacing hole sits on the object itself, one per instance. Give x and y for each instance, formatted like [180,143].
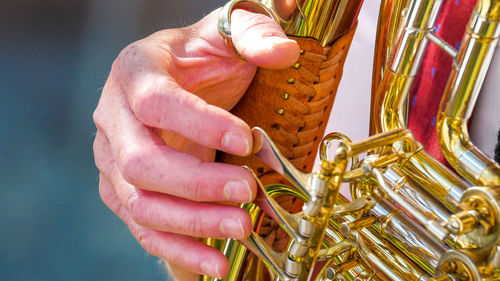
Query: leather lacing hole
[260,170]
[304,167]
[315,139]
[325,108]
[275,126]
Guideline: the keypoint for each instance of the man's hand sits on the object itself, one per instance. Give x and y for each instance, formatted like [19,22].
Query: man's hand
[162,115]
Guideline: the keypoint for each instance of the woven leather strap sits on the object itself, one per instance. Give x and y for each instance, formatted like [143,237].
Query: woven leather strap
[293,105]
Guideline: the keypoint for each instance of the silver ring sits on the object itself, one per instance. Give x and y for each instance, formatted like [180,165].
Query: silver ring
[224,18]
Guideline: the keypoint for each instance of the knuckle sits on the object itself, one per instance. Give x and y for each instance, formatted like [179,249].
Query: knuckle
[138,208]
[97,116]
[102,158]
[194,190]
[148,240]
[146,105]
[194,227]
[122,62]
[176,258]
[131,163]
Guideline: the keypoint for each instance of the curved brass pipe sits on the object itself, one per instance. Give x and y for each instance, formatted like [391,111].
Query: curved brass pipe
[387,30]
[389,108]
[402,67]
[462,90]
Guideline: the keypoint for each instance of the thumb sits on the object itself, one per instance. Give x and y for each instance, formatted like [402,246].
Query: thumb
[261,41]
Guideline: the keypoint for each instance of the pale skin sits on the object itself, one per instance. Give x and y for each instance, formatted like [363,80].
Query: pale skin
[181,84]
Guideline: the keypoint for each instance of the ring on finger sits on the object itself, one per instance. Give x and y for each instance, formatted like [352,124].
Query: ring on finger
[224,18]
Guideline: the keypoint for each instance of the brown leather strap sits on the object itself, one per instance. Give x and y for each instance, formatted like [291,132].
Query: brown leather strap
[293,105]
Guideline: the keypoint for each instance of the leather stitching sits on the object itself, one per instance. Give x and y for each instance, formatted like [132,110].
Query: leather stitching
[312,111]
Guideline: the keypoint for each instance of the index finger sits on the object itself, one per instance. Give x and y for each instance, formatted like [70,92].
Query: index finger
[161,103]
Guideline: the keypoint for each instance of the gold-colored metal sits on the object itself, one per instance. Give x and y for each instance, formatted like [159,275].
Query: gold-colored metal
[462,90]
[390,16]
[410,217]
[323,20]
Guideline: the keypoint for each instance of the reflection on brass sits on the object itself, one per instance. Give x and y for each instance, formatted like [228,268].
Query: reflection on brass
[410,217]
[323,20]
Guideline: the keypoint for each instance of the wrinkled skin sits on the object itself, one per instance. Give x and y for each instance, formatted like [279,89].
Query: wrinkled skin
[162,115]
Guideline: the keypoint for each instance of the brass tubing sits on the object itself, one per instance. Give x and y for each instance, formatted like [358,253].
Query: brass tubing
[324,20]
[333,237]
[387,31]
[391,263]
[382,161]
[390,112]
[462,90]
[385,139]
[438,180]
[408,236]
[415,195]
[387,258]
[433,225]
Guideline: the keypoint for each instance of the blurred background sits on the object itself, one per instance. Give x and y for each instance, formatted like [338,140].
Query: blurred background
[54,59]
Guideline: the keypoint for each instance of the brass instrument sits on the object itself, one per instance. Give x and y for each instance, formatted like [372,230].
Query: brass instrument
[410,217]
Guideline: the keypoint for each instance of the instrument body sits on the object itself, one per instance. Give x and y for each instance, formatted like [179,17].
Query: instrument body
[410,217]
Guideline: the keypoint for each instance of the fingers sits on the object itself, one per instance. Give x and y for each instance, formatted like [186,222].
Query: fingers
[174,248]
[168,213]
[140,159]
[163,104]
[185,176]
[261,41]
[172,214]
[157,101]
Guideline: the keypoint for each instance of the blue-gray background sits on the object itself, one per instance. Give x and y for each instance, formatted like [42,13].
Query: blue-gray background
[54,59]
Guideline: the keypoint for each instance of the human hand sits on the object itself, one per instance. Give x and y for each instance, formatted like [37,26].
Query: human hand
[162,115]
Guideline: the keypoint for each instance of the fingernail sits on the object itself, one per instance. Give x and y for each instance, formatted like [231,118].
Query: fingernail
[235,143]
[210,269]
[238,191]
[232,228]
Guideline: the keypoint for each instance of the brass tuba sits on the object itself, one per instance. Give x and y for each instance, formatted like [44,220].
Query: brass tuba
[410,217]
